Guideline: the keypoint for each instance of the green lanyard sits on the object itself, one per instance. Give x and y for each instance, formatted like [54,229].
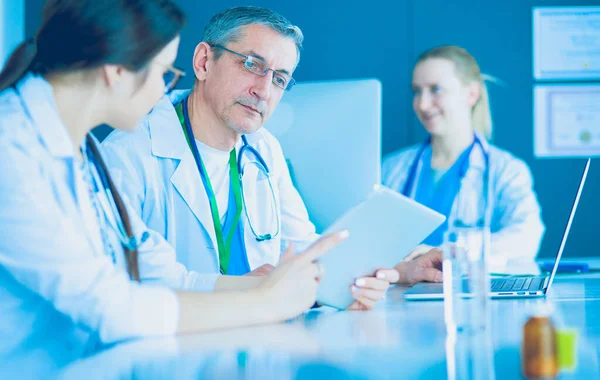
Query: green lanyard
[224,245]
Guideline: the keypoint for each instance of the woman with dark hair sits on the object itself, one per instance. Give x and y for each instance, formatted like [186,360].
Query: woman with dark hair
[78,269]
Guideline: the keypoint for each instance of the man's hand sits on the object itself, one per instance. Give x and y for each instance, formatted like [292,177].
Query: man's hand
[427,267]
[419,251]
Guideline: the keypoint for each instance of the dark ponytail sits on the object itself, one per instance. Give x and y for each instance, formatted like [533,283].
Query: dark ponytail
[131,255]
[80,35]
[18,64]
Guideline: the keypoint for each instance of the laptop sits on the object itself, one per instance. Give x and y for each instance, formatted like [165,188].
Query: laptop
[332,146]
[513,286]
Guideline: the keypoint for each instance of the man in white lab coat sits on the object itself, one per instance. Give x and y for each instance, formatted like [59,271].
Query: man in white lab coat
[181,168]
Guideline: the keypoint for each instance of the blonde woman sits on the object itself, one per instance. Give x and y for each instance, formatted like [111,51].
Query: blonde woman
[456,171]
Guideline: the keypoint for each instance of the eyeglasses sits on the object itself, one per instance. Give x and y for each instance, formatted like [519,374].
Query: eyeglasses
[171,77]
[259,67]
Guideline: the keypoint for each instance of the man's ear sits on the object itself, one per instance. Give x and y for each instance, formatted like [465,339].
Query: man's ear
[202,60]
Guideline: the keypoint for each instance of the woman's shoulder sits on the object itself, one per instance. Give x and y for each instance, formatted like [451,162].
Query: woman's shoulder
[505,158]
[401,156]
[15,126]
[396,165]
[507,164]
[10,106]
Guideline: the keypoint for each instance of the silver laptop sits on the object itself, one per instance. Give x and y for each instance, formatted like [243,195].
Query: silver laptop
[513,286]
[331,145]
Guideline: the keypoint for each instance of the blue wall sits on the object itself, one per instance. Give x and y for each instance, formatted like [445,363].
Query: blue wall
[346,39]
[12,26]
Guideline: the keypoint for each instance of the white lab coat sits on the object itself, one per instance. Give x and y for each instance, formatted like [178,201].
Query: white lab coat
[61,296]
[155,167]
[516,223]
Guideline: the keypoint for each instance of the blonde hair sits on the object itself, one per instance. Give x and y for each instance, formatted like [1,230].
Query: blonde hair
[467,71]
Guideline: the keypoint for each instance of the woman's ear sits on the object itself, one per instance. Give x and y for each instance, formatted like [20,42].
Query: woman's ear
[474,93]
[112,75]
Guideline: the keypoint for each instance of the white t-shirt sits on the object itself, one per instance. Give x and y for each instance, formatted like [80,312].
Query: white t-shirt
[216,163]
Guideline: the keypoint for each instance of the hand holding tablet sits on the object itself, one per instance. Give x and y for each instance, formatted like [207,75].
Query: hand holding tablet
[383,230]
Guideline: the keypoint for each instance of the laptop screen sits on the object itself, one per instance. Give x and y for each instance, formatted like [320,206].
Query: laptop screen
[571,216]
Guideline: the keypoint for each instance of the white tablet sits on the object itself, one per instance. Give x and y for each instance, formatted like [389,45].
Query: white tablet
[384,228]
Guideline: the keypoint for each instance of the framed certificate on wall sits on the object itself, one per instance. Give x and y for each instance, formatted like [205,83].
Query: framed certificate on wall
[566,120]
[566,43]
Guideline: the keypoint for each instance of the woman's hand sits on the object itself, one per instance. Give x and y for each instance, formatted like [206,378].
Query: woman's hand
[291,287]
[262,270]
[369,290]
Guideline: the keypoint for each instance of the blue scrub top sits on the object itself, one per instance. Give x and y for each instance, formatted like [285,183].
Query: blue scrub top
[440,196]
[238,260]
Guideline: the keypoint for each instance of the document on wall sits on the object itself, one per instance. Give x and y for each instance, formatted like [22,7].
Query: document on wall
[566,120]
[566,42]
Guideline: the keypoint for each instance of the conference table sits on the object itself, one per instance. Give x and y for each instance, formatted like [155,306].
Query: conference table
[398,339]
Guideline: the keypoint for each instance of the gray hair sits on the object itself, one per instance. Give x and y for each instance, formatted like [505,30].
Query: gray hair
[226,26]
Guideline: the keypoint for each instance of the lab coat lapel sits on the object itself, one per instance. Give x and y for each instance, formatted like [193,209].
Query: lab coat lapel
[188,183]
[168,141]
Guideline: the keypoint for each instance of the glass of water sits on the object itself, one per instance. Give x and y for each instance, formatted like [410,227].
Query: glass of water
[466,278]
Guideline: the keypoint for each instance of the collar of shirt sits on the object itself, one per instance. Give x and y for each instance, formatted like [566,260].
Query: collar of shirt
[38,99]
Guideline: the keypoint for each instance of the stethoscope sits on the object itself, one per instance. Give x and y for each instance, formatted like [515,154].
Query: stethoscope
[247,147]
[260,164]
[264,169]
[91,157]
[409,188]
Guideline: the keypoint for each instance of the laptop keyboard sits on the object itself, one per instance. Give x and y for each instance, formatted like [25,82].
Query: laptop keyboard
[517,284]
